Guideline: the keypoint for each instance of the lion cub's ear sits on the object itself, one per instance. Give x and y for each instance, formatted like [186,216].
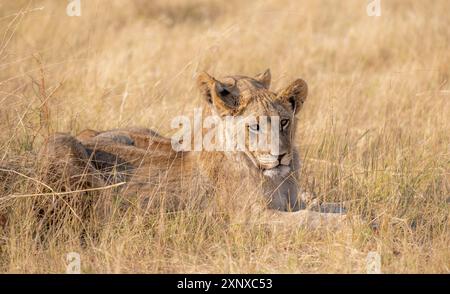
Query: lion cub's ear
[295,95]
[264,78]
[205,83]
[219,95]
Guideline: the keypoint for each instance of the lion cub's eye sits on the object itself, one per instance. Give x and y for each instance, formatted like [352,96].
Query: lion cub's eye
[284,123]
[254,128]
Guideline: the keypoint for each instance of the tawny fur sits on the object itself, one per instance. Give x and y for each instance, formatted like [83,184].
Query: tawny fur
[157,176]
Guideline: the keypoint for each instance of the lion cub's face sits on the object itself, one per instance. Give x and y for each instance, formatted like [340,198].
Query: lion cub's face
[251,97]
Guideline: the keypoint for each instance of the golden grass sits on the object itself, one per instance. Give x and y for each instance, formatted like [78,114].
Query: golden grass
[374,131]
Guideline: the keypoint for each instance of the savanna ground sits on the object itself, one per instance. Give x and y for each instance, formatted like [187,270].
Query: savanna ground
[374,131]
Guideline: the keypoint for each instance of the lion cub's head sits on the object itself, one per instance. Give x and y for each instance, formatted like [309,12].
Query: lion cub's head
[252,97]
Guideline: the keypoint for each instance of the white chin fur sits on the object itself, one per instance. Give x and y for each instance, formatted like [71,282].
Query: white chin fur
[280,171]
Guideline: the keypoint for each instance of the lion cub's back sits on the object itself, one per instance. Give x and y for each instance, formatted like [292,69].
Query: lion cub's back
[141,138]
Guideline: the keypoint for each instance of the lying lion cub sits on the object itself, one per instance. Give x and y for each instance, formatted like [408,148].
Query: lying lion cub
[158,176]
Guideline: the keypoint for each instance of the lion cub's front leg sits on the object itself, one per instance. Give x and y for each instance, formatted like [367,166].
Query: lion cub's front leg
[305,218]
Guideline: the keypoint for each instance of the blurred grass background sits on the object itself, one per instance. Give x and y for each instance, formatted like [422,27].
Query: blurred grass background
[374,131]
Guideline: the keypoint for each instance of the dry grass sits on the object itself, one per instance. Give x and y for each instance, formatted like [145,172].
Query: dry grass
[375,130]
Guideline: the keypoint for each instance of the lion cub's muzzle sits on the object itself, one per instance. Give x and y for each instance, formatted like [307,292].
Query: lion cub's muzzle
[275,165]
